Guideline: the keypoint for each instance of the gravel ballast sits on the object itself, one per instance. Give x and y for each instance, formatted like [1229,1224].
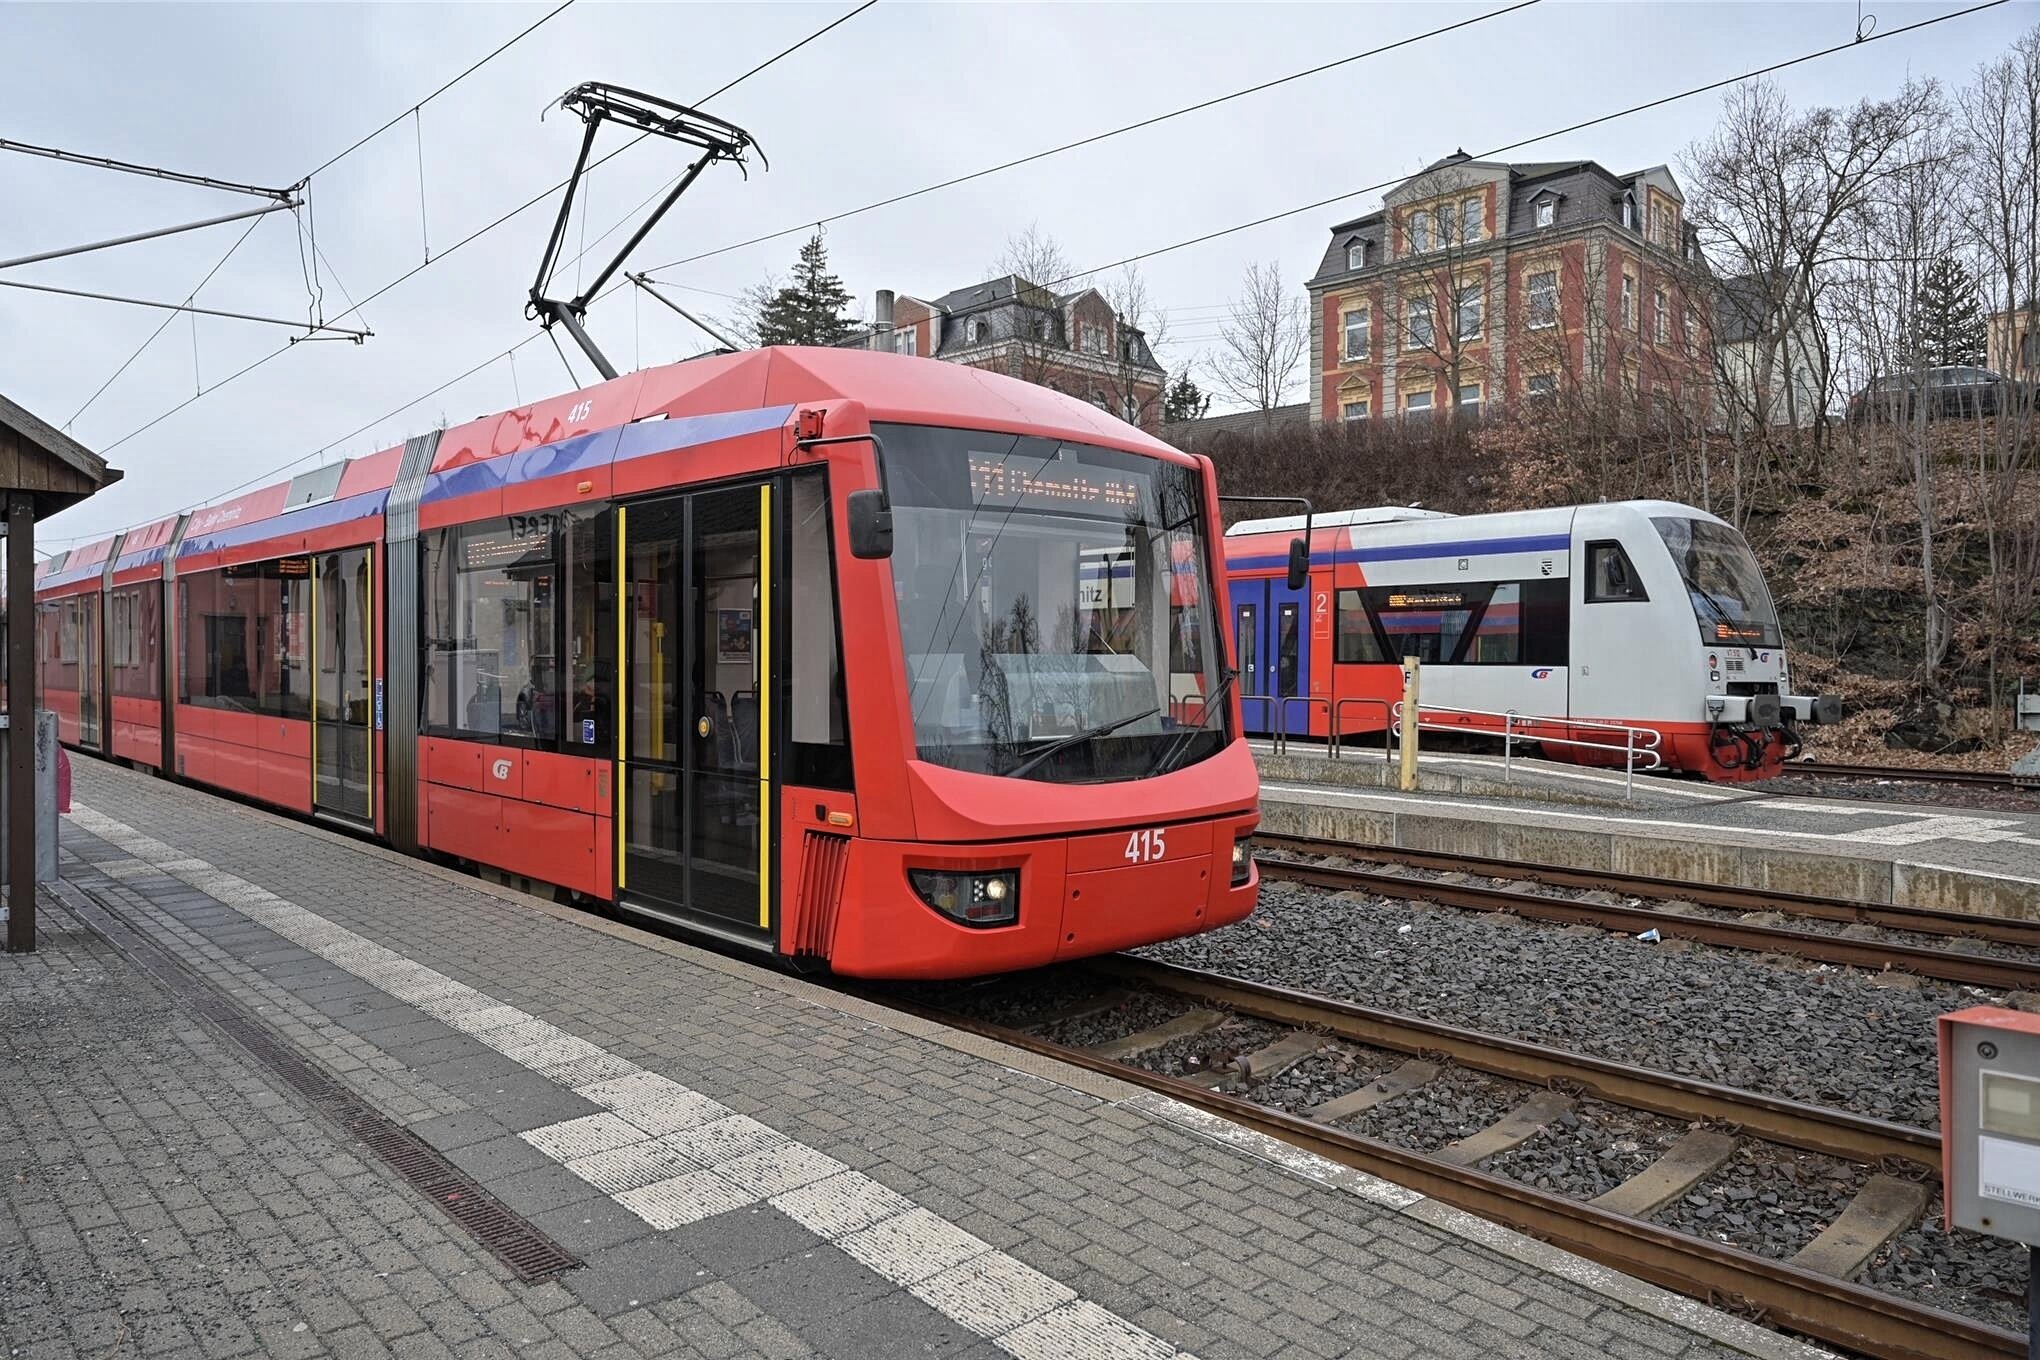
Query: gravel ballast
[1826,1035]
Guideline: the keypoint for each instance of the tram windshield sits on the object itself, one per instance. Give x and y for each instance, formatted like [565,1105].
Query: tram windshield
[1055,605]
[1723,582]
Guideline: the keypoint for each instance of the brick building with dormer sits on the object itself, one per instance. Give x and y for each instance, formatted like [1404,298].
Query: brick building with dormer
[1072,342]
[1480,282]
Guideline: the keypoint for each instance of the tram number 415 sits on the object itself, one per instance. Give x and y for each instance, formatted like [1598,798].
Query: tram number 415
[1144,847]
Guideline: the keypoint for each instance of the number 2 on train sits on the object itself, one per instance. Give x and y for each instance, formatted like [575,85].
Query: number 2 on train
[1142,847]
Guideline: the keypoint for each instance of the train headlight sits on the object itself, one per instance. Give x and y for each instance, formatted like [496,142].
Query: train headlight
[971,898]
[1242,863]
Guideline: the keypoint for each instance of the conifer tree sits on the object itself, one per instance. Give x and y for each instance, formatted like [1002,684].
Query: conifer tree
[1184,400]
[1949,315]
[809,310]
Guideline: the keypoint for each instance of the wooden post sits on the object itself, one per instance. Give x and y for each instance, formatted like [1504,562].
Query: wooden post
[21,687]
[1410,713]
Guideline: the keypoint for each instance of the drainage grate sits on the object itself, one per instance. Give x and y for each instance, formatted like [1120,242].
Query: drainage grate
[529,1253]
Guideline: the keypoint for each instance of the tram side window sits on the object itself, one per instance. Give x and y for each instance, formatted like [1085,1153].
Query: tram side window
[1357,643]
[491,669]
[1611,576]
[133,635]
[818,727]
[247,638]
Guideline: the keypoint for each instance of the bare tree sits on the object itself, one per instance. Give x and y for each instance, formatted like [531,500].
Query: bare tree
[1035,256]
[1771,187]
[1137,380]
[1262,343]
[1999,117]
[1439,309]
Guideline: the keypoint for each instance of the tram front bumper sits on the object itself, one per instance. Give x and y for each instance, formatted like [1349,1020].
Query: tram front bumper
[1078,896]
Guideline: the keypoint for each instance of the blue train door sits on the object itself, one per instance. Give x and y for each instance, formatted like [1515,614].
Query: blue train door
[1272,635]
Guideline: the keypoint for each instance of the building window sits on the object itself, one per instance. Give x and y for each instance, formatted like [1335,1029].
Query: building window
[1543,300]
[1470,220]
[1629,211]
[1469,397]
[973,330]
[1359,332]
[1417,403]
[1355,410]
[1692,321]
[1628,301]
[1129,409]
[1356,255]
[1096,339]
[903,341]
[1044,328]
[1542,386]
[1098,400]
[1418,332]
[1471,310]
[1420,233]
[1663,321]
[1547,211]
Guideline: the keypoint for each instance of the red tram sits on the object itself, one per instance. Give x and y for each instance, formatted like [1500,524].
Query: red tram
[864,660]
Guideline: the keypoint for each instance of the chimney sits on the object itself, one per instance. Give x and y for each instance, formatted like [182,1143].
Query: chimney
[881,320]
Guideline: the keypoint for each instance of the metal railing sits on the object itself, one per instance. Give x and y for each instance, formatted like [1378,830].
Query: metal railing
[1335,710]
[1639,744]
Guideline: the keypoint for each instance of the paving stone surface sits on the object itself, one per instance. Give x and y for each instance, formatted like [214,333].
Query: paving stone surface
[741,1165]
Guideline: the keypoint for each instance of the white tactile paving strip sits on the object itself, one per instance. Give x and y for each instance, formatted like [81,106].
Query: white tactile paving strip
[673,1156]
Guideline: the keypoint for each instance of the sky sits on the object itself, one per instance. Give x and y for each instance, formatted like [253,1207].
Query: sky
[900,96]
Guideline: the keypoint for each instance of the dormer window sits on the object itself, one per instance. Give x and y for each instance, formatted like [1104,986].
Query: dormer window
[1629,211]
[973,329]
[1356,254]
[1547,211]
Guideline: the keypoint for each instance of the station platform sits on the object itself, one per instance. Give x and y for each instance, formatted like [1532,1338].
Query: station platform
[271,1090]
[1985,863]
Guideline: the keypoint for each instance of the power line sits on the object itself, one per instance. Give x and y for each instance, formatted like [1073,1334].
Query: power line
[1851,45]
[845,17]
[355,307]
[811,223]
[472,236]
[327,164]
[496,52]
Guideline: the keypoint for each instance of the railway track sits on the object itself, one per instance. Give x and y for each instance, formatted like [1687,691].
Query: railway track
[1990,779]
[1678,921]
[1809,1294]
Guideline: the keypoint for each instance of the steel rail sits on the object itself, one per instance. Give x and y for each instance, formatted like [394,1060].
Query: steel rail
[1903,774]
[1882,1325]
[1975,970]
[1814,1128]
[1728,897]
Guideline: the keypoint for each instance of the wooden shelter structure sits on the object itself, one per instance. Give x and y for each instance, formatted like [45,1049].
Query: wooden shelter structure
[42,470]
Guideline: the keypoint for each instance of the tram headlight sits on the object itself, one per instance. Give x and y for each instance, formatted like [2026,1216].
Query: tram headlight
[971,898]
[1242,863]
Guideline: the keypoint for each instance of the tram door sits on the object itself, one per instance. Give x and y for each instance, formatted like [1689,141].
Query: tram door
[343,697]
[698,667]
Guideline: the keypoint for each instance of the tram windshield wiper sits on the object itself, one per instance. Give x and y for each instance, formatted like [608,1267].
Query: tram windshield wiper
[1166,761]
[1076,738]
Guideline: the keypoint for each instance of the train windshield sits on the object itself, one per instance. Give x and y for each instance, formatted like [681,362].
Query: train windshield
[1055,606]
[1722,582]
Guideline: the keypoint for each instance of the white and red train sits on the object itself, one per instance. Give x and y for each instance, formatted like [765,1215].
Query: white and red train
[1647,614]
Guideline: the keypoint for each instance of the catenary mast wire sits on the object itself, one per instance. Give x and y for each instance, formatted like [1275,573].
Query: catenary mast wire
[327,164]
[1639,108]
[509,353]
[471,237]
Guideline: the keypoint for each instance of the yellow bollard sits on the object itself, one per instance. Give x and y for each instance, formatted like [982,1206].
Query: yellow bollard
[1410,711]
